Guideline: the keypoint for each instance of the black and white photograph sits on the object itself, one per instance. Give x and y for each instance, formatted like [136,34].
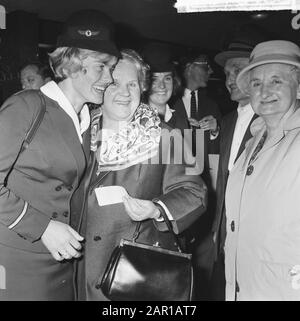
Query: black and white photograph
[149,152]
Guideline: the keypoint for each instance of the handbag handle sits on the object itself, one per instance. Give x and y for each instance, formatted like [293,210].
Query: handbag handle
[169,226]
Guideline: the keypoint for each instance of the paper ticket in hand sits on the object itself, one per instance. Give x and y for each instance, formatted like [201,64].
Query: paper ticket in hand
[107,195]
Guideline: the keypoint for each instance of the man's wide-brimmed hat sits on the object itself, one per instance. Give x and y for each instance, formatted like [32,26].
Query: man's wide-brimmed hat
[275,51]
[89,29]
[241,44]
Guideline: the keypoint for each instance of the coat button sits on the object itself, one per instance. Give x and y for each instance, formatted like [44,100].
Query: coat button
[58,188]
[54,214]
[98,286]
[97,238]
[65,214]
[250,170]
[69,188]
[232,226]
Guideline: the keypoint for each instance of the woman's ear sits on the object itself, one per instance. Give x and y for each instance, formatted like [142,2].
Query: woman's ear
[74,74]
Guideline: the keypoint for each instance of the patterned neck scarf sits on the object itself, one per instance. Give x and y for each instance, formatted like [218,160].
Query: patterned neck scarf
[133,144]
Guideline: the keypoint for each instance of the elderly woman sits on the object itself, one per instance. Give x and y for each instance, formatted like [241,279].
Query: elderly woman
[128,164]
[262,248]
[41,189]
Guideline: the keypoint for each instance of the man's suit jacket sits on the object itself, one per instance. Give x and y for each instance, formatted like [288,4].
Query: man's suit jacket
[206,106]
[226,135]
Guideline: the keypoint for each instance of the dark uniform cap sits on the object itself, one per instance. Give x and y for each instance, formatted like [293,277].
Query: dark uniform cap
[158,56]
[89,29]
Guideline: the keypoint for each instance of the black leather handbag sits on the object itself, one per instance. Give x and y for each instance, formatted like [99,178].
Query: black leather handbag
[140,272]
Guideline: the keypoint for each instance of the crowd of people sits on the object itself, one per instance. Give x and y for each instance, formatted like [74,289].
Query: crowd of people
[97,164]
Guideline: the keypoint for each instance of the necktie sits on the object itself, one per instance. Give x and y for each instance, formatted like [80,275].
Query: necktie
[193,105]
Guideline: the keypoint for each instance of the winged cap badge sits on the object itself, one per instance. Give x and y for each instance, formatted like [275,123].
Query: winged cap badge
[88,33]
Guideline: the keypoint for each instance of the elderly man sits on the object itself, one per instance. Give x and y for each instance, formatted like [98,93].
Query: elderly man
[201,110]
[235,131]
[262,199]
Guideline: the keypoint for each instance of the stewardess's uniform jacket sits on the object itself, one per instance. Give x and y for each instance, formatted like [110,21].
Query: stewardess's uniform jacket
[39,188]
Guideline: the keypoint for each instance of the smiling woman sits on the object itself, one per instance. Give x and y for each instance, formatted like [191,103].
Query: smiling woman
[130,153]
[262,196]
[41,188]
[123,96]
[89,71]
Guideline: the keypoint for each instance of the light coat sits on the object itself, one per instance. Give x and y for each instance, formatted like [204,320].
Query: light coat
[262,247]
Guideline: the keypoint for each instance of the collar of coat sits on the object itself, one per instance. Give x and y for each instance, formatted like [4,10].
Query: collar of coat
[290,123]
[258,128]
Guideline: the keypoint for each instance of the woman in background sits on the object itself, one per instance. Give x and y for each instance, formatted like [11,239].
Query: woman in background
[34,75]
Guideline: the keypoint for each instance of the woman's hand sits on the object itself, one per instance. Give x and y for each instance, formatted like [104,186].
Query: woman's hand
[140,210]
[62,241]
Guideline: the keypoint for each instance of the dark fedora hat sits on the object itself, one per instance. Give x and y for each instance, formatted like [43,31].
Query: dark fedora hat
[158,56]
[89,29]
[241,45]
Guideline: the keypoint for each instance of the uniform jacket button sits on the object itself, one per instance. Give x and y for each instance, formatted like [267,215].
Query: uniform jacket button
[232,226]
[250,170]
[54,214]
[58,188]
[97,238]
[66,214]
[69,188]
[98,286]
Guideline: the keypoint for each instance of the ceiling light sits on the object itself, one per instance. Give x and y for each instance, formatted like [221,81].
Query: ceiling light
[259,15]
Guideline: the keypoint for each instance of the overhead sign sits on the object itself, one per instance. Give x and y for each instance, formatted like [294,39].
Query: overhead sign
[2,17]
[185,6]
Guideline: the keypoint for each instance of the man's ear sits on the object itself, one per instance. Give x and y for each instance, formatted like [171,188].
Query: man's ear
[47,79]
[298,91]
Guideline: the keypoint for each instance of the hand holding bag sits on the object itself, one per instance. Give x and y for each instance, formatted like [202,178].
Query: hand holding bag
[140,272]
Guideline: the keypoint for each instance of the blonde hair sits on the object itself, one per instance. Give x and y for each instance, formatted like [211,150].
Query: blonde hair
[67,60]
[142,68]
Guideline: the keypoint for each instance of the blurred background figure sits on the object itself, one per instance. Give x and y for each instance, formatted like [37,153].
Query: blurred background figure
[35,75]
[202,112]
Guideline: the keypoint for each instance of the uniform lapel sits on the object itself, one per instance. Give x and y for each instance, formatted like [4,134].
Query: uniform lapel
[66,128]
[86,138]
